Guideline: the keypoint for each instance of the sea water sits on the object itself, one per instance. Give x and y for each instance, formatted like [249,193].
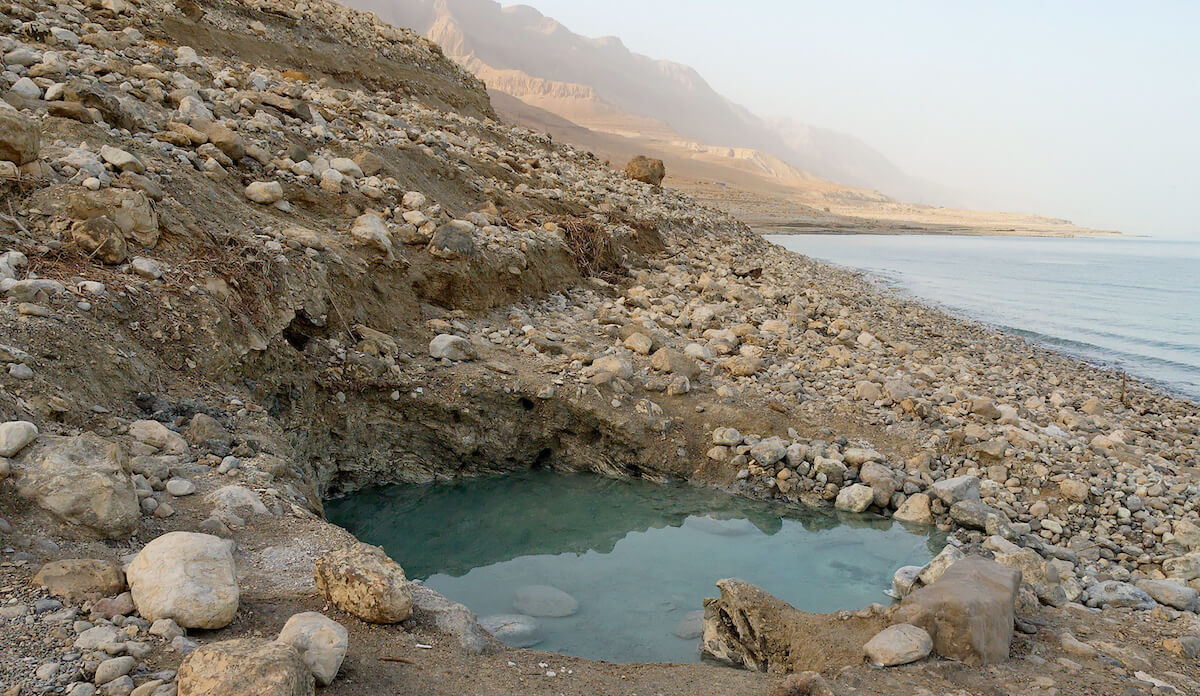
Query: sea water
[1131,304]
[638,557]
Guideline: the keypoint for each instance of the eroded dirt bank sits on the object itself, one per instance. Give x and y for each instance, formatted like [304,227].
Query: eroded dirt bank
[268,252]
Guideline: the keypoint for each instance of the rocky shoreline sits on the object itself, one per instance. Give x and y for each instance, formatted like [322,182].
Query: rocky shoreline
[260,253]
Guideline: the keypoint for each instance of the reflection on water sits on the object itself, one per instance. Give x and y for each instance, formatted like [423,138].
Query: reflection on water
[638,557]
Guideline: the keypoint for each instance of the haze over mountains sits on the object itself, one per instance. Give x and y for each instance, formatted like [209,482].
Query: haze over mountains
[601,85]
[596,93]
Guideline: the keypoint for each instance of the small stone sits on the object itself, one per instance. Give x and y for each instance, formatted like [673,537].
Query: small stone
[179,487]
[446,346]
[113,668]
[898,645]
[15,436]
[264,192]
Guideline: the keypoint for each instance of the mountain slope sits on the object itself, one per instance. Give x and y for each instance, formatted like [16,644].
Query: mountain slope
[602,85]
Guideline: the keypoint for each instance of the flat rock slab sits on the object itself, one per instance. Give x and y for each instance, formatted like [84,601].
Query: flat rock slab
[544,600]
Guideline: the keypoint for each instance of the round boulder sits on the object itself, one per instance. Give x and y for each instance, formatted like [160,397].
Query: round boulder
[898,645]
[361,580]
[321,642]
[187,577]
[646,170]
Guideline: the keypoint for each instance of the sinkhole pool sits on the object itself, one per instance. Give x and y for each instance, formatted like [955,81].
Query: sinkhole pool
[618,570]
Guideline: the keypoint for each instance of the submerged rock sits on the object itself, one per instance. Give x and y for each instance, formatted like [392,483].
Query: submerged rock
[544,600]
[514,630]
[691,626]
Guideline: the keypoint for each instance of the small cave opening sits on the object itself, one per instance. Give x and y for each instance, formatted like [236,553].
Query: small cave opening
[542,460]
[300,330]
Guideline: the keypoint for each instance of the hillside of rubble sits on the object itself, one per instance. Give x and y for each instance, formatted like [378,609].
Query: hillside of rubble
[258,253]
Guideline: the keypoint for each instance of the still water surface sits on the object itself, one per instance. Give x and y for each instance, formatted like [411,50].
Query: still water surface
[637,556]
[1131,304]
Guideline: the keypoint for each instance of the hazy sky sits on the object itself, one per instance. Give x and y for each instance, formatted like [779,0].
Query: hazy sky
[1083,110]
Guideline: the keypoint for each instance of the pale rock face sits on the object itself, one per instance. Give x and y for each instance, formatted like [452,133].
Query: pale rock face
[361,580]
[372,231]
[855,498]
[265,192]
[82,480]
[449,347]
[122,160]
[321,642]
[187,577]
[899,645]
[245,666]
[15,436]
[612,364]
[915,510]
[968,611]
[159,436]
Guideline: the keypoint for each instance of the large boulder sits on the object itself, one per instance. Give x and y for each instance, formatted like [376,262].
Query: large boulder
[321,642]
[646,170]
[20,137]
[362,580]
[968,612]
[131,211]
[187,577]
[82,480]
[79,579]
[245,666]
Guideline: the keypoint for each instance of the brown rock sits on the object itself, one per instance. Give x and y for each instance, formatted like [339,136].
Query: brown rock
[671,360]
[20,137]
[369,163]
[245,666]
[747,626]
[79,579]
[227,141]
[130,210]
[71,110]
[968,612]
[101,238]
[361,580]
[646,170]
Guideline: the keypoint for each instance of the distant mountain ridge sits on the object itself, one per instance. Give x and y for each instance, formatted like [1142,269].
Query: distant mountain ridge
[601,85]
